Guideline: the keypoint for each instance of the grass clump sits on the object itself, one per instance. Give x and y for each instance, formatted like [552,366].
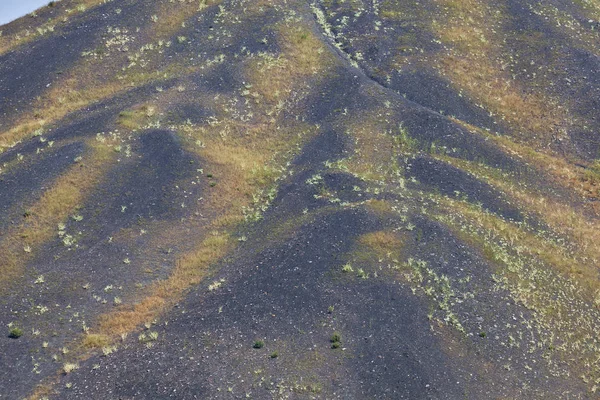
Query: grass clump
[259,344]
[15,332]
[69,367]
[361,273]
[95,340]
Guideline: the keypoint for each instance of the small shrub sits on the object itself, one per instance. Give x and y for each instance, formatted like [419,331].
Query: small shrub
[482,334]
[336,340]
[15,333]
[259,344]
[274,355]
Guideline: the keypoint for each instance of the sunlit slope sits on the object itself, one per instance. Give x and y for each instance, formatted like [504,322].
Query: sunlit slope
[294,199]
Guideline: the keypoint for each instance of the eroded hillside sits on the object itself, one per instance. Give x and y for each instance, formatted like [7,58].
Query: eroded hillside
[300,199]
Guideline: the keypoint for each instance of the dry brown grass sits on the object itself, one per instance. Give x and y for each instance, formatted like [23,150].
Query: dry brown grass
[235,169]
[380,207]
[374,248]
[54,206]
[302,54]
[591,7]
[35,28]
[552,254]
[69,95]
[542,275]
[382,242]
[473,64]
[585,182]
[244,158]
[171,15]
[577,258]
[95,341]
[528,113]
[42,391]
[569,21]
[80,88]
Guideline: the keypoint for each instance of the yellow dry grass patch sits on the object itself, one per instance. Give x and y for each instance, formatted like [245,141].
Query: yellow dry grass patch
[584,182]
[549,252]
[171,15]
[528,113]
[473,65]
[54,206]
[303,54]
[244,157]
[591,7]
[543,276]
[382,242]
[380,207]
[94,341]
[70,95]
[577,258]
[571,24]
[375,249]
[237,171]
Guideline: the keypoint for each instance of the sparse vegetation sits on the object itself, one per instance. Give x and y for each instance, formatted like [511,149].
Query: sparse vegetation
[279,112]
